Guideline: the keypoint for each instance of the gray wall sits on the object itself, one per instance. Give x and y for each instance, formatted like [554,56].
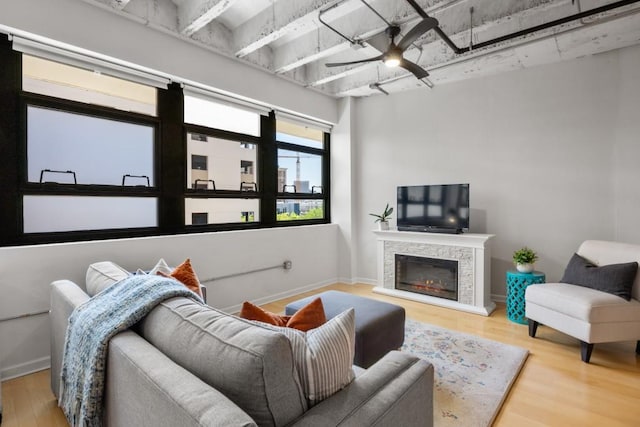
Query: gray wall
[550,152]
[27,272]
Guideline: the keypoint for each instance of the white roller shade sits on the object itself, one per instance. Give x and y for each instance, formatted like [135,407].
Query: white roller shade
[77,57]
[303,121]
[222,98]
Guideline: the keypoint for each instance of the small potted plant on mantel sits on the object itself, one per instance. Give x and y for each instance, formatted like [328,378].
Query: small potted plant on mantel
[524,259]
[383,219]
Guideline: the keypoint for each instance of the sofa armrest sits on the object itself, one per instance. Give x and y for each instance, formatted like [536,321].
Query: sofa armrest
[65,297]
[145,388]
[397,390]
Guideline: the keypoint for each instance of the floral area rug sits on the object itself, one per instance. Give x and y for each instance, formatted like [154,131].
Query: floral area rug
[472,374]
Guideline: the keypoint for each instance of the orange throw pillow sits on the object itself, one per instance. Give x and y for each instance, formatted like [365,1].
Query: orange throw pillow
[253,312]
[184,273]
[308,317]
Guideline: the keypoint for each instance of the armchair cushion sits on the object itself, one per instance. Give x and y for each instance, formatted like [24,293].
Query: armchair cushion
[616,279]
[582,303]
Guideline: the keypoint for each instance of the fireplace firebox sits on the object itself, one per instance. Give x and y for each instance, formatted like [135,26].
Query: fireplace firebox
[428,276]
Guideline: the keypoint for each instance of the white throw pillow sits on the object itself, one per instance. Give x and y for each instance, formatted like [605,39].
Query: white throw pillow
[323,356]
[101,275]
[161,266]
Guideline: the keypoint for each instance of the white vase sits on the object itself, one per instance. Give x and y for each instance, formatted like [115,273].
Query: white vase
[524,268]
[383,225]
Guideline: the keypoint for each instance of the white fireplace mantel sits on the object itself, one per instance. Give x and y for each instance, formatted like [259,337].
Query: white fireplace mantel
[472,251]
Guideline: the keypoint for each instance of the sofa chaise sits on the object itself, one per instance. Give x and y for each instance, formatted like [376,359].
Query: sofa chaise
[187,364]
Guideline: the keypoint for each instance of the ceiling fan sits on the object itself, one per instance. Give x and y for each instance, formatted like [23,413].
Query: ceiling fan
[393,53]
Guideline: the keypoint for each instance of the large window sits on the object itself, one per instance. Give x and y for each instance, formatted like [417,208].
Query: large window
[222,169]
[302,177]
[99,156]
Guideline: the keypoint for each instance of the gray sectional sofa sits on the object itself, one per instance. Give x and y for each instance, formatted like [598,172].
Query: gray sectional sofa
[187,364]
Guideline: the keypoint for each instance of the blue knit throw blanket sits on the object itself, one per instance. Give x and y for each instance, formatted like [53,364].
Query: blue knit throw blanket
[91,326]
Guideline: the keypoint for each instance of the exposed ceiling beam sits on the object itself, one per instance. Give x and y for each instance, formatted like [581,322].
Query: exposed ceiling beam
[281,18]
[287,36]
[119,4]
[359,24]
[193,15]
[495,22]
[571,41]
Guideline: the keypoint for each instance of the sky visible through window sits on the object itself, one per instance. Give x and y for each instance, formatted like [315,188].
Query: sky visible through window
[310,164]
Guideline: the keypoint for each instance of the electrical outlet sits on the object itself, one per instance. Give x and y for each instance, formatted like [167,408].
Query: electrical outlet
[287,265]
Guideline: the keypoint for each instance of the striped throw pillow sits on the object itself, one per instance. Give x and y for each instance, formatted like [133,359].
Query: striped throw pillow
[323,356]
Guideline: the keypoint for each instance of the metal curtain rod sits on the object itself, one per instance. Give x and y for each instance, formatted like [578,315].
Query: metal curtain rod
[285,265]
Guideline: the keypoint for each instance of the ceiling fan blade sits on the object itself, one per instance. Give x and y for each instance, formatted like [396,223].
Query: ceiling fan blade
[417,70]
[340,64]
[380,42]
[420,28]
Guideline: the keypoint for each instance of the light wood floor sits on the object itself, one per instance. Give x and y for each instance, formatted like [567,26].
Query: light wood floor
[555,388]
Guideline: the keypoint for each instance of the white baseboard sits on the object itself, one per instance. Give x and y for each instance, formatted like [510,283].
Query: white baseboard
[275,297]
[21,369]
[498,298]
[366,281]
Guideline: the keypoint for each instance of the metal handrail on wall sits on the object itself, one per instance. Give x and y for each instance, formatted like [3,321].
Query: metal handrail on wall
[21,316]
[285,265]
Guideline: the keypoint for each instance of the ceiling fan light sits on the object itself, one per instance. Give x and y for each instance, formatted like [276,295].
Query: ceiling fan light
[392,61]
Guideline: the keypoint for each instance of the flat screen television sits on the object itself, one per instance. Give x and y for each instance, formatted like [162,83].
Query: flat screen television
[433,208]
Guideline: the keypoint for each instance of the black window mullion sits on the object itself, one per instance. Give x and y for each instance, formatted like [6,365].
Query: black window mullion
[268,166]
[224,134]
[172,159]
[10,87]
[326,177]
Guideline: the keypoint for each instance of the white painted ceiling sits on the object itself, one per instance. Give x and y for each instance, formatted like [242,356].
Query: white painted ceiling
[286,37]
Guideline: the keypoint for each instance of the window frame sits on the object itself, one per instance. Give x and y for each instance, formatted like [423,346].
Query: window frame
[195,193]
[324,154]
[28,99]
[170,165]
[26,188]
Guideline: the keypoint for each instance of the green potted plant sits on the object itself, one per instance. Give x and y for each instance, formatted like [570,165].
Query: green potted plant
[383,218]
[524,259]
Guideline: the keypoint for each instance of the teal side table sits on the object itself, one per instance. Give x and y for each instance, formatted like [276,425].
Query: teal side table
[516,285]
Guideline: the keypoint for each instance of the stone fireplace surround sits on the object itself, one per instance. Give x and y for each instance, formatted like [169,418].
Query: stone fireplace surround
[472,251]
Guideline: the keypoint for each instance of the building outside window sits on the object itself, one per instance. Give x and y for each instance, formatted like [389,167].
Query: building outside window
[230,145]
[199,218]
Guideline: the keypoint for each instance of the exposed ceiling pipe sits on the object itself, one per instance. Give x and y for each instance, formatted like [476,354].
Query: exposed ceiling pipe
[323,11]
[526,31]
[377,87]
[359,43]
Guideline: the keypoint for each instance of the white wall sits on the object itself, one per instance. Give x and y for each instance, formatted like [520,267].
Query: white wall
[28,271]
[84,25]
[342,189]
[627,149]
[550,152]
